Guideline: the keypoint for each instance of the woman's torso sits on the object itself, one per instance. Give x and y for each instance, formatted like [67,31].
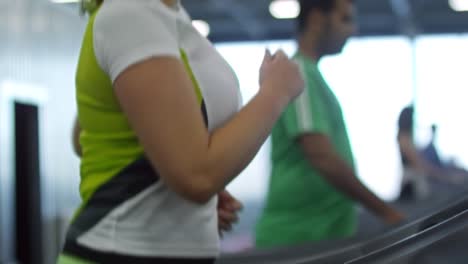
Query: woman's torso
[127,208]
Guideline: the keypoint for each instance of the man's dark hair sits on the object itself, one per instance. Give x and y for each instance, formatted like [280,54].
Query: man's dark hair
[307,6]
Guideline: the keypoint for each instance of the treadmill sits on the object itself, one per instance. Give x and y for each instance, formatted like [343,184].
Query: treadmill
[340,251]
[422,247]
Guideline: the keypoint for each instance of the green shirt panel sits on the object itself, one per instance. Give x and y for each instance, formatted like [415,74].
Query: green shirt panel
[108,142]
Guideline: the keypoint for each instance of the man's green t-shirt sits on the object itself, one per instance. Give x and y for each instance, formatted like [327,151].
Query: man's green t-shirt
[301,205]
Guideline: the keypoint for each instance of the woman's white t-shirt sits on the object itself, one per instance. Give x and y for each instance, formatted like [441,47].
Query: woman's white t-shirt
[157,222]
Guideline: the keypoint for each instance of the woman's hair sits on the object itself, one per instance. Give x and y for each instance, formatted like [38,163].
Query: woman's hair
[89,6]
[406,119]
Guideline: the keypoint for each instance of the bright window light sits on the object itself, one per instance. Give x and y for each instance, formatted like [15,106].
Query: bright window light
[64,1]
[459,5]
[284,9]
[202,26]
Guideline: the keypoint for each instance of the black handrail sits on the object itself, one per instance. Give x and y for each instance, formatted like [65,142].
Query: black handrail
[411,245]
[342,251]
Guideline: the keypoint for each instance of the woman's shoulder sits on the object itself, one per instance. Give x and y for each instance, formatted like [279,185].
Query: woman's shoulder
[128,31]
[134,19]
[128,11]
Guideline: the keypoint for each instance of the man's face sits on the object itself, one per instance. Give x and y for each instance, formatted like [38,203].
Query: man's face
[339,25]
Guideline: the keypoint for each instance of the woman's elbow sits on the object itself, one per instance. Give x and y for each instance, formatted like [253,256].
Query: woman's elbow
[199,190]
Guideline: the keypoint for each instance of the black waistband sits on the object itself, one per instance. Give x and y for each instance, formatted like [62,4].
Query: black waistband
[73,249]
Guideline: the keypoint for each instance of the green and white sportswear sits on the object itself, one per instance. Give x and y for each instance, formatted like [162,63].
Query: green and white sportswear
[127,209]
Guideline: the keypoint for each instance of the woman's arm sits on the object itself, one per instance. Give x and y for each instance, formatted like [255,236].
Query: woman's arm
[415,159]
[167,119]
[76,137]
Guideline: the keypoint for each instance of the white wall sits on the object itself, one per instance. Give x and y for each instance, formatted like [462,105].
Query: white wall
[39,49]
[443,93]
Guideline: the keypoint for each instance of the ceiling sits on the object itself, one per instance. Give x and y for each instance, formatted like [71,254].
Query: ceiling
[250,20]
[241,20]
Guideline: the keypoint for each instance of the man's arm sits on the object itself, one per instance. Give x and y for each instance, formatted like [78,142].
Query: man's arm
[323,156]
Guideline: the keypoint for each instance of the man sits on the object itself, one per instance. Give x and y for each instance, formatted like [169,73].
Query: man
[313,181]
[430,152]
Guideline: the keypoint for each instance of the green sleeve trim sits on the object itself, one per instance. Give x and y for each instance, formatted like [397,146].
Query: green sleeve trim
[67,259]
[185,60]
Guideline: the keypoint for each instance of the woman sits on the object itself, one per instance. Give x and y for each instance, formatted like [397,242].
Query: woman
[161,134]
[416,170]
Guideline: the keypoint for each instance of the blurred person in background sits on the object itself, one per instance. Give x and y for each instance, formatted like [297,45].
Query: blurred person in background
[423,169]
[313,186]
[416,169]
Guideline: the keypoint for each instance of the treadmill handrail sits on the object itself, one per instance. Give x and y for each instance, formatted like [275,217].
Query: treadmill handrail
[412,244]
[362,248]
[421,224]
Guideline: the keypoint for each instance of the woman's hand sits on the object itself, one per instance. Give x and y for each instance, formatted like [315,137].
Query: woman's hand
[228,207]
[280,76]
